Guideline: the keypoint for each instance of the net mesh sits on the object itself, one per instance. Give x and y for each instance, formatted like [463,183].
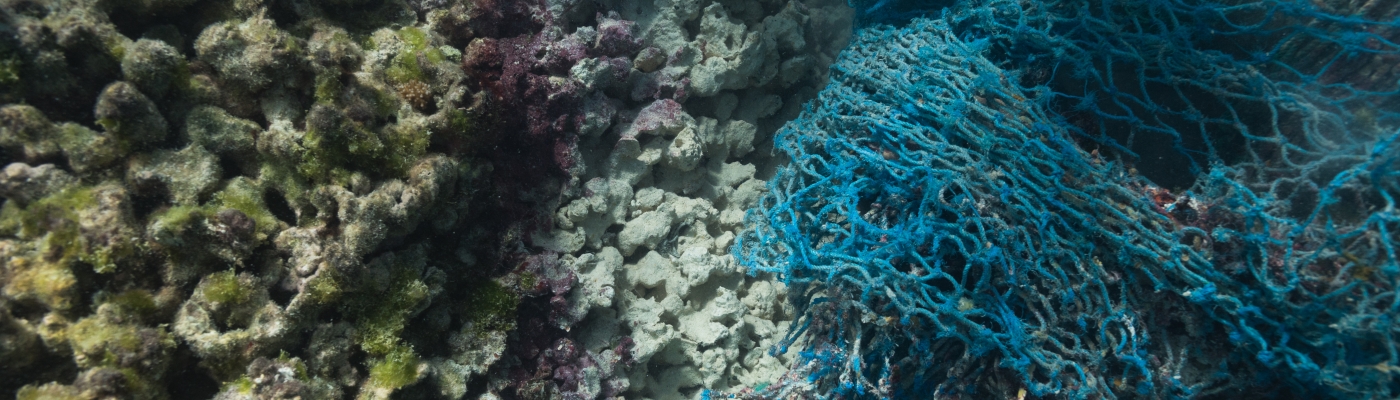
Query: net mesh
[1094,199]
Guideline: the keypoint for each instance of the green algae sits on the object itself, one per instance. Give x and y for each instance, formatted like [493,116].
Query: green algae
[528,281]
[165,247]
[246,196]
[336,146]
[396,369]
[415,38]
[328,88]
[177,219]
[298,366]
[54,221]
[88,150]
[50,283]
[244,385]
[12,217]
[138,302]
[406,66]
[49,391]
[103,342]
[383,318]
[323,288]
[224,287]
[491,307]
[11,85]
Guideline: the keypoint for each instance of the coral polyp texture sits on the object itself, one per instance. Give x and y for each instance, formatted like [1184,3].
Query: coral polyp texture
[968,211]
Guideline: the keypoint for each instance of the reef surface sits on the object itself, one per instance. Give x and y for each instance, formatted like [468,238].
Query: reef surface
[691,199]
[392,198]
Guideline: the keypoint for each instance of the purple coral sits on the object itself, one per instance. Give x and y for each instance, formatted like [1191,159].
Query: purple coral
[659,115]
[616,36]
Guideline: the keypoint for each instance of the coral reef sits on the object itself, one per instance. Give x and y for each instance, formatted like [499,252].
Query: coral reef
[408,199]
[668,199]
[671,152]
[247,199]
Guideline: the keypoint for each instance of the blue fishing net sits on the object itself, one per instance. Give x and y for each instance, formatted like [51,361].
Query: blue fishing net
[1094,199]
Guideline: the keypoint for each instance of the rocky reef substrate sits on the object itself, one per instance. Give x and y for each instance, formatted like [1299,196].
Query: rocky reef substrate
[392,198]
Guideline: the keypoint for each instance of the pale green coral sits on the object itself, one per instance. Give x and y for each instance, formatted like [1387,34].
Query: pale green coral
[30,277]
[26,131]
[50,391]
[187,174]
[249,53]
[127,113]
[152,66]
[222,133]
[87,150]
[80,224]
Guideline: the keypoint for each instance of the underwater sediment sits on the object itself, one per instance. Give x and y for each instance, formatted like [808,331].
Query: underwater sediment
[666,199]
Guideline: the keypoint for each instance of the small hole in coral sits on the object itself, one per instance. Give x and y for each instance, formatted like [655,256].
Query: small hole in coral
[146,199]
[28,309]
[30,8]
[190,382]
[283,14]
[277,204]
[230,168]
[281,295]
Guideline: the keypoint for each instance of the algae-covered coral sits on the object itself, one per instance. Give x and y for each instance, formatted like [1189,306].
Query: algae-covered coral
[390,198]
[251,199]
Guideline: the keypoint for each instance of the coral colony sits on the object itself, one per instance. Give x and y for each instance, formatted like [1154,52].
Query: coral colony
[699,199]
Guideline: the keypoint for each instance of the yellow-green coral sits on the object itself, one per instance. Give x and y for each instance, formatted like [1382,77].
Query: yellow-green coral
[87,150]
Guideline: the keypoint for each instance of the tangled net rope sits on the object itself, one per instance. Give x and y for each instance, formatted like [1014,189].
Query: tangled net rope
[978,206]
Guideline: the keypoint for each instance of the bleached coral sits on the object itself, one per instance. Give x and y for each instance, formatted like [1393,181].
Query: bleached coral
[649,228]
